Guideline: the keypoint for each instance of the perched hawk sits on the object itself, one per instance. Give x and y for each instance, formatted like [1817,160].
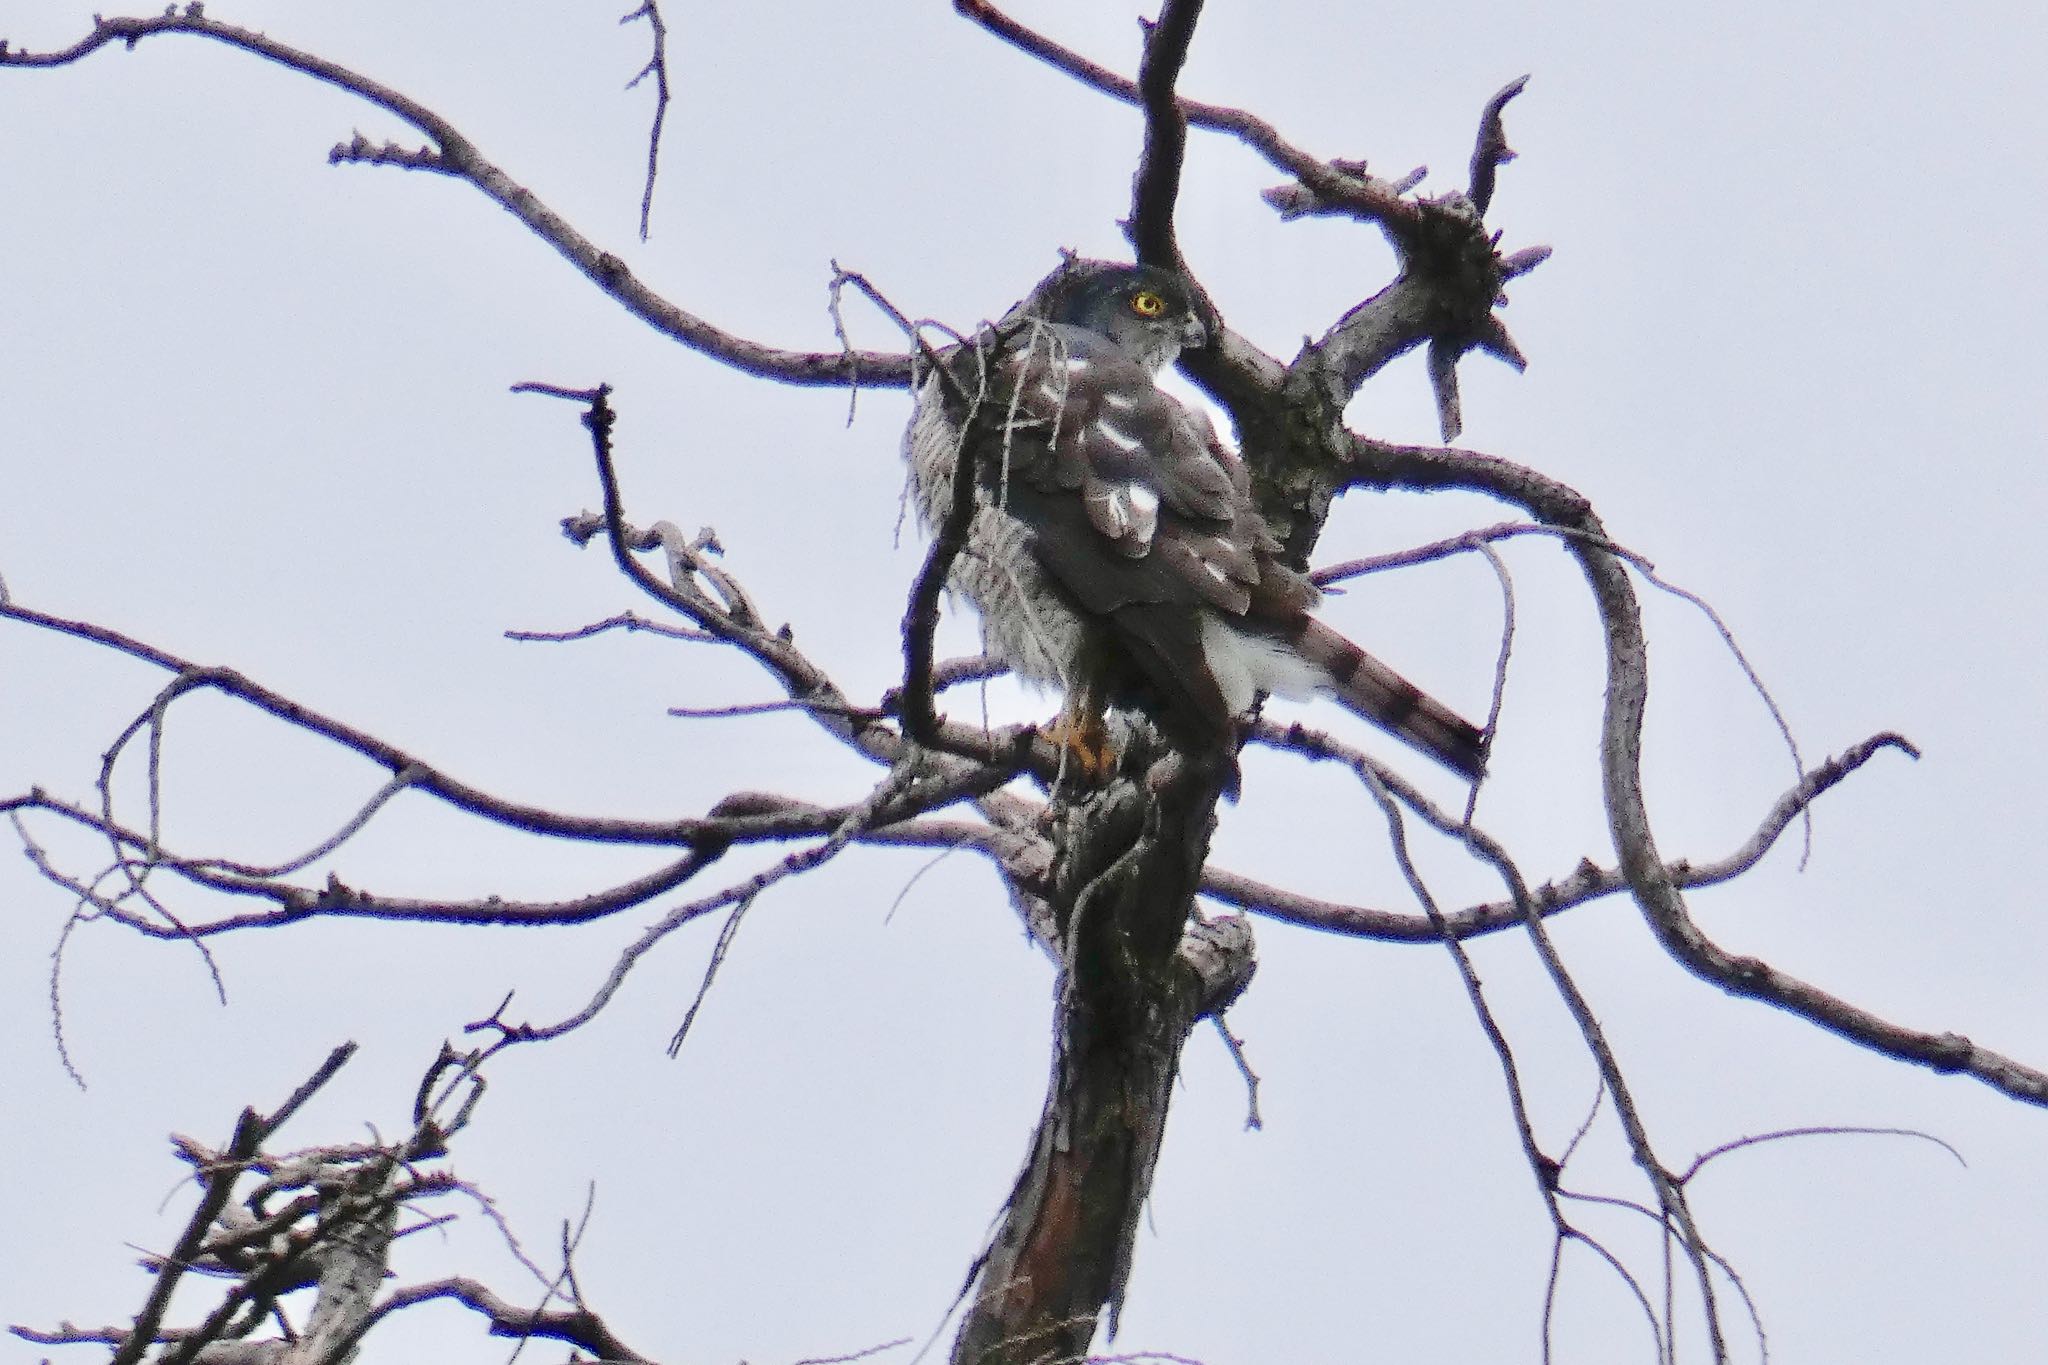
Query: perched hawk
[1115,549]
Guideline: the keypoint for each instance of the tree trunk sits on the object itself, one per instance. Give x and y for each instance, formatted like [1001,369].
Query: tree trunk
[1135,978]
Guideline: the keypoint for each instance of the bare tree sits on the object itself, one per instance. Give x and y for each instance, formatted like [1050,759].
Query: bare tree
[1107,879]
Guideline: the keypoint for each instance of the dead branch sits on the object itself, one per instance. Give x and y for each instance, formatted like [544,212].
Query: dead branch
[1491,151]
[1451,273]
[1719,1150]
[1247,128]
[912,782]
[1481,541]
[420,776]
[251,1130]
[698,588]
[1677,1211]
[735,621]
[577,1327]
[757,817]
[332,1236]
[657,67]
[454,155]
[1583,884]
[630,622]
[1156,186]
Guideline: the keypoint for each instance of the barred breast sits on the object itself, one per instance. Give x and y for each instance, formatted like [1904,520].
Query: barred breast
[1024,620]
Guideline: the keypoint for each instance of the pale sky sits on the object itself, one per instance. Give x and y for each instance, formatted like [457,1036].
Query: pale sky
[254,410]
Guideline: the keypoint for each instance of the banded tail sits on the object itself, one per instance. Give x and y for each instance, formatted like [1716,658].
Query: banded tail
[1370,689]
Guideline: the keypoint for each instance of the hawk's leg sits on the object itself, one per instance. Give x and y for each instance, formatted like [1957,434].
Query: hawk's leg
[1082,732]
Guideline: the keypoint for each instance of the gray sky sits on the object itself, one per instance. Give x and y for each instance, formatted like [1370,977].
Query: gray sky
[255,412]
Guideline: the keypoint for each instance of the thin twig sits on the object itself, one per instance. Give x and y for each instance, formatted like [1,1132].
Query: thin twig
[765,708]
[1480,541]
[577,1327]
[628,621]
[865,1353]
[657,67]
[454,155]
[193,677]
[907,786]
[1587,882]
[1234,1045]
[1699,1162]
[718,951]
[1541,1165]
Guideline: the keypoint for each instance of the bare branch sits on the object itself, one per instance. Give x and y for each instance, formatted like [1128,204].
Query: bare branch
[974,668]
[333,1234]
[1699,1163]
[322,1074]
[766,708]
[1443,233]
[454,155]
[1491,151]
[914,784]
[577,1326]
[1443,384]
[865,1353]
[1501,658]
[657,67]
[1247,128]
[1585,883]
[1449,285]
[1234,1045]
[631,622]
[717,960]
[1621,1271]
[735,621]
[921,614]
[1654,881]
[701,589]
[250,1132]
[421,776]
[1156,186]
[1541,1166]
[1480,540]
[1670,1192]
[741,818]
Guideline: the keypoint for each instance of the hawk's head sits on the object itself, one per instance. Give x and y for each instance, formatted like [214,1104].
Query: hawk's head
[1147,313]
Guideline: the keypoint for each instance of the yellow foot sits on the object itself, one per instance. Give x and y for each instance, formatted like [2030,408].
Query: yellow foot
[1085,746]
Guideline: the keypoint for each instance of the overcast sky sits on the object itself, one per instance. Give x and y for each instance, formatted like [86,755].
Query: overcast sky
[254,410]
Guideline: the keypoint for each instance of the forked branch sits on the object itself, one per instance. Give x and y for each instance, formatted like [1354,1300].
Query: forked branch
[453,154]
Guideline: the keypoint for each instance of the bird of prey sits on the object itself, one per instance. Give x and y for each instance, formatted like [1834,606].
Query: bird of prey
[1115,550]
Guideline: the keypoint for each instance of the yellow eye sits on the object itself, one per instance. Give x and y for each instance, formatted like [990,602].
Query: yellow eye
[1147,304]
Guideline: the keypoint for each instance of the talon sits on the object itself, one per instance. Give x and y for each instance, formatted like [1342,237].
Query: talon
[1085,742]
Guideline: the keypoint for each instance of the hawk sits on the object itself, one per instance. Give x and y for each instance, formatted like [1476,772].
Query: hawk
[1115,550]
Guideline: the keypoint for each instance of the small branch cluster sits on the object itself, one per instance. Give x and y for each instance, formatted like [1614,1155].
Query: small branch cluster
[323,1219]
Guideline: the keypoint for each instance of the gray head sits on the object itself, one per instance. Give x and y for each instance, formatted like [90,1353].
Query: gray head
[1147,313]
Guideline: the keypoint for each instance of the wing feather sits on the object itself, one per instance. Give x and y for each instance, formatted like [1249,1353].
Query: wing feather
[1154,483]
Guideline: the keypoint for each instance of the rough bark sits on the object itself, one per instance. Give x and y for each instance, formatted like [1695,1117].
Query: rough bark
[1135,979]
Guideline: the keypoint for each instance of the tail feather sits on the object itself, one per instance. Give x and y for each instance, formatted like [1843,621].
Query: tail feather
[1372,690]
